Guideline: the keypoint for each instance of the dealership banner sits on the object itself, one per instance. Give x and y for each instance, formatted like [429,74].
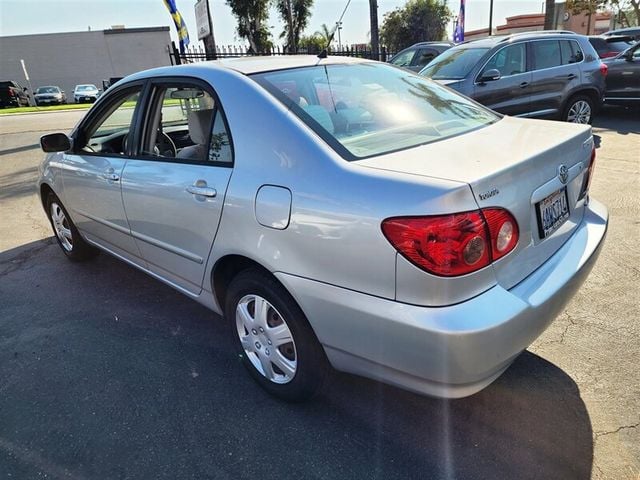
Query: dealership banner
[181,27]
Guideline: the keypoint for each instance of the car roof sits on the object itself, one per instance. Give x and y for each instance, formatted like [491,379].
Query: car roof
[489,42]
[258,64]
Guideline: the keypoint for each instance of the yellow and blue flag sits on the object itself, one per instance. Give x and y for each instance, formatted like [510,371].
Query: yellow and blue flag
[181,27]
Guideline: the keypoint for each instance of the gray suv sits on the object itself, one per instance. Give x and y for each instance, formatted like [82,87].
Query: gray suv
[537,74]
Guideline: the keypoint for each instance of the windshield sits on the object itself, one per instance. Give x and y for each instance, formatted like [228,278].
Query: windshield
[454,64]
[370,109]
[82,88]
[48,90]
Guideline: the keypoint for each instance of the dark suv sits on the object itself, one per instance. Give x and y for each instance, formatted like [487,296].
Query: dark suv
[13,95]
[537,74]
[420,54]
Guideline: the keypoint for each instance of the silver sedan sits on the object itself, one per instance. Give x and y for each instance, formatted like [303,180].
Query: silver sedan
[336,212]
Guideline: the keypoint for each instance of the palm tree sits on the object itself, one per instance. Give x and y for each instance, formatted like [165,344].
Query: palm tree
[549,13]
[325,34]
[373,17]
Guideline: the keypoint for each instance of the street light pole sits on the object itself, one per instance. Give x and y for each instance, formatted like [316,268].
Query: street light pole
[490,17]
[339,27]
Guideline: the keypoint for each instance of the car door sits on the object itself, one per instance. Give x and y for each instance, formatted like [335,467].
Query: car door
[623,78]
[93,170]
[174,195]
[509,94]
[556,74]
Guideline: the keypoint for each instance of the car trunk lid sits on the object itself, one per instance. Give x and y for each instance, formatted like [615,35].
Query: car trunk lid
[516,164]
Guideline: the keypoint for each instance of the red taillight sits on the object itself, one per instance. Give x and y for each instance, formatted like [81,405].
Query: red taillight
[604,69]
[455,244]
[589,174]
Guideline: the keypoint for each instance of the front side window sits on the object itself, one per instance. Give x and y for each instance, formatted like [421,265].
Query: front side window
[509,60]
[425,55]
[186,123]
[454,64]
[110,133]
[370,109]
[546,54]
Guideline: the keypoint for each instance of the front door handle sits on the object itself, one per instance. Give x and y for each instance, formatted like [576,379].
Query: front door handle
[109,174]
[200,188]
[571,76]
[524,84]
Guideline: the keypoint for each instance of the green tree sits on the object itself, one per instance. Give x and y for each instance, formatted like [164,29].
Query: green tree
[417,21]
[312,43]
[626,11]
[252,16]
[295,15]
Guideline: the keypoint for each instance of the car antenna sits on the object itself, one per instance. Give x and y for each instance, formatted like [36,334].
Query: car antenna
[325,51]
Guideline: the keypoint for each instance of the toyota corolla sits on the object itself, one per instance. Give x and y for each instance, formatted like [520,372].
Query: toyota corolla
[335,212]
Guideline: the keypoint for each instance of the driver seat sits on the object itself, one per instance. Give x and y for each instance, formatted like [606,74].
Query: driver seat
[199,127]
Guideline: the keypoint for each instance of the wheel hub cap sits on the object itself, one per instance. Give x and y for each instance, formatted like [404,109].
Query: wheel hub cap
[266,339]
[61,227]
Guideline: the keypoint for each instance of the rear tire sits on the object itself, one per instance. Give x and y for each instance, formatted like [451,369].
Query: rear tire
[273,337]
[579,109]
[66,233]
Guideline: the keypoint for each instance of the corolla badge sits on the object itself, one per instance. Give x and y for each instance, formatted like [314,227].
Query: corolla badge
[563,173]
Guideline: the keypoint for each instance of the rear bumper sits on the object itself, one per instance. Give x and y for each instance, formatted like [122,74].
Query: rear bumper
[451,351]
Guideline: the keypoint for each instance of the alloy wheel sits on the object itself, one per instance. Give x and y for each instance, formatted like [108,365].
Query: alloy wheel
[580,112]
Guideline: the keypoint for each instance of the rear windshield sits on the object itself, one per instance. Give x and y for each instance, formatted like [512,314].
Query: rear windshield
[370,109]
[453,64]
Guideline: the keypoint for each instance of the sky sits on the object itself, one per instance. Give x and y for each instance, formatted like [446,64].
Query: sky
[22,17]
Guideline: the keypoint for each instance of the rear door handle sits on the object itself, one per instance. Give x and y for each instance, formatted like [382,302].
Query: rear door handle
[200,188]
[109,174]
[524,84]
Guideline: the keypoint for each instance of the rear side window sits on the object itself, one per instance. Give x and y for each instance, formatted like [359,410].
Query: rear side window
[546,54]
[570,52]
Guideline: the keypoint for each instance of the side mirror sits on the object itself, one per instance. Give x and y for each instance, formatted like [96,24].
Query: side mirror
[628,56]
[55,142]
[490,75]
[24,89]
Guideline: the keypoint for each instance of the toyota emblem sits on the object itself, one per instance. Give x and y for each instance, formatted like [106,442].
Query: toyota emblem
[563,174]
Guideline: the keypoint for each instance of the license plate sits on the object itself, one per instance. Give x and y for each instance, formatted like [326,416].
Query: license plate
[552,212]
[87,98]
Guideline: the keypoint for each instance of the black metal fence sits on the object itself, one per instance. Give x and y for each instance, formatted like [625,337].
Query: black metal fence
[197,54]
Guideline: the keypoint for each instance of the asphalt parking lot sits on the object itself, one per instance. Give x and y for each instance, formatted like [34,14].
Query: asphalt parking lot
[106,373]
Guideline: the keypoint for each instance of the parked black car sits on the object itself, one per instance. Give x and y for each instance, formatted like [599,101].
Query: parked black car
[417,56]
[630,31]
[535,74]
[49,95]
[13,95]
[623,80]
[612,45]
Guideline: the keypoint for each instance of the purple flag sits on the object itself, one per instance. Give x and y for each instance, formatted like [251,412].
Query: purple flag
[458,30]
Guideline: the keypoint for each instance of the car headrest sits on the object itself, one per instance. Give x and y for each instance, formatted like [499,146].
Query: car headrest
[200,125]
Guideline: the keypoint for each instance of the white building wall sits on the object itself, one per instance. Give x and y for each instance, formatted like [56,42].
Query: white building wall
[68,59]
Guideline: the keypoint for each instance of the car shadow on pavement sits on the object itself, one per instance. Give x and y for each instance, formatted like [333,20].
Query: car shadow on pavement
[107,373]
[622,120]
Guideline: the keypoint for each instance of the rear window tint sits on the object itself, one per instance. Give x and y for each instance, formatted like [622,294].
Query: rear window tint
[546,54]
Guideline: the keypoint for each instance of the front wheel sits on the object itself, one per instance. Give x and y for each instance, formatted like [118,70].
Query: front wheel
[579,110]
[66,233]
[273,338]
